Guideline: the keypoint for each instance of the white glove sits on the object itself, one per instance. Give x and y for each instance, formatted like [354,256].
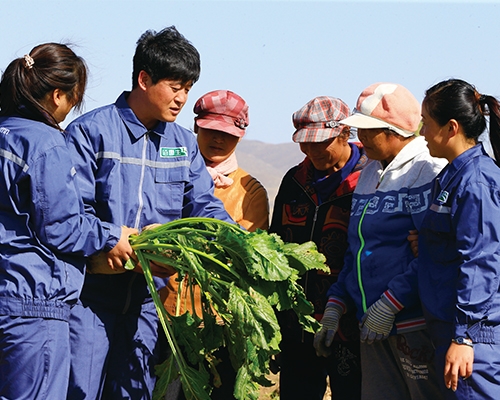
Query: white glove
[378,320]
[329,325]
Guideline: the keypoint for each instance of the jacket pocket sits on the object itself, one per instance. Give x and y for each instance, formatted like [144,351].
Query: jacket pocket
[169,190]
[441,239]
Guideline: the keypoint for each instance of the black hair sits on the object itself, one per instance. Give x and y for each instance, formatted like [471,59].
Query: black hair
[459,100]
[27,81]
[166,55]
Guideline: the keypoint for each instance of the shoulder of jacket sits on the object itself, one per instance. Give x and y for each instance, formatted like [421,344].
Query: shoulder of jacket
[247,181]
[97,116]
[427,162]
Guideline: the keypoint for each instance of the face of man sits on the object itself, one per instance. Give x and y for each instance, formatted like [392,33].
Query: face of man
[160,101]
[167,98]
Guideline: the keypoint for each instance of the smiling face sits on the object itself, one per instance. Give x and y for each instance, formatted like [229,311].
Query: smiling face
[216,146]
[330,155]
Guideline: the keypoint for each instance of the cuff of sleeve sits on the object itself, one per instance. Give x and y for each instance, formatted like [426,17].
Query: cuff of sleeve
[115,233]
[461,331]
[392,301]
[336,302]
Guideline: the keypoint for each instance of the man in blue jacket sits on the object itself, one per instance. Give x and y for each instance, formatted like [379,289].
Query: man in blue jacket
[136,167]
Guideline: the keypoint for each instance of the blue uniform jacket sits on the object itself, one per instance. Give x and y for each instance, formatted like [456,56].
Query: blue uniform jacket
[387,203]
[459,249]
[44,232]
[132,176]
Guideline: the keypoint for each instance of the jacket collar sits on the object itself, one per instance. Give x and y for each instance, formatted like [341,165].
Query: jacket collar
[304,173]
[136,128]
[449,172]
[405,155]
[408,153]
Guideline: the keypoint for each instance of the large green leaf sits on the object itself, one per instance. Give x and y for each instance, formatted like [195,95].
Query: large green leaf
[245,388]
[186,331]
[167,373]
[272,265]
[305,257]
[195,384]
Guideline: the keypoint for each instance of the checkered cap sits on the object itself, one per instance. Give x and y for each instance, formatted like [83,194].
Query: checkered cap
[388,106]
[319,119]
[222,110]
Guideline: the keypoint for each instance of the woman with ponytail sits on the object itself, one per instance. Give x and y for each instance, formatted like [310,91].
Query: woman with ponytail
[459,241]
[45,234]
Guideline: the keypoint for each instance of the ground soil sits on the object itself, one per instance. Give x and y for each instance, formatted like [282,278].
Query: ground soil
[272,393]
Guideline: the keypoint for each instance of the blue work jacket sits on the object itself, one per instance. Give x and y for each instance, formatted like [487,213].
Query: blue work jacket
[387,203]
[459,249]
[44,232]
[132,176]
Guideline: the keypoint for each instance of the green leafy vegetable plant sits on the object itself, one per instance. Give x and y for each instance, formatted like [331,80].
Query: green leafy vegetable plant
[244,278]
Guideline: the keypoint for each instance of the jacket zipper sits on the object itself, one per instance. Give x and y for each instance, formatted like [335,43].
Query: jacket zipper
[128,299]
[141,182]
[358,257]
[362,245]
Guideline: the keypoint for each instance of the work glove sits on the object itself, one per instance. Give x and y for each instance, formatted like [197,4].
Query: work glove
[329,325]
[378,320]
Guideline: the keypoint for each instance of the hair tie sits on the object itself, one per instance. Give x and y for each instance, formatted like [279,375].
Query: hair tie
[28,61]
[483,106]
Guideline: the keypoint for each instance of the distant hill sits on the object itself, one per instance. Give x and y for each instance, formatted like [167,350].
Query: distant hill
[267,162]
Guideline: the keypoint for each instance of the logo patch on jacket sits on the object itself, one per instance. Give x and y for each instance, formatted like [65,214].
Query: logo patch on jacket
[443,196]
[166,152]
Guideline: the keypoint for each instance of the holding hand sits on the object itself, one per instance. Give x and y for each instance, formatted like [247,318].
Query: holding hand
[458,364]
[378,320]
[119,255]
[113,261]
[329,325]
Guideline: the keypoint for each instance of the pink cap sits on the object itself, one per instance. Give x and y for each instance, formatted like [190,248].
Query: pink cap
[222,110]
[386,105]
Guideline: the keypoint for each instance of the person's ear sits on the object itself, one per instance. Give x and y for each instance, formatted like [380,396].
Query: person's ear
[56,96]
[453,128]
[144,80]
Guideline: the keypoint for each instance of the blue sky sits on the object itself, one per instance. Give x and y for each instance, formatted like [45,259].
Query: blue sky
[276,54]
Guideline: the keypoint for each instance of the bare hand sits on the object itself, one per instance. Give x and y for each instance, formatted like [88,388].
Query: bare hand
[119,255]
[458,364]
[151,226]
[413,239]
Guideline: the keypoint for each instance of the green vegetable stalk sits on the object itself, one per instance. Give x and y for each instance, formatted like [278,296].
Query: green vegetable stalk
[244,278]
